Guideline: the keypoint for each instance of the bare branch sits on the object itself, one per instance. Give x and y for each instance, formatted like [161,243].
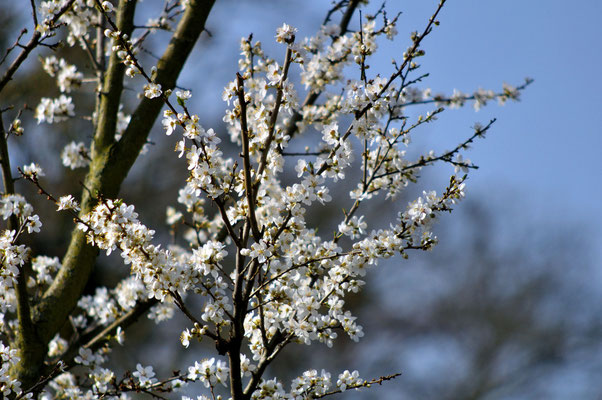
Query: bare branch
[244,131]
[32,44]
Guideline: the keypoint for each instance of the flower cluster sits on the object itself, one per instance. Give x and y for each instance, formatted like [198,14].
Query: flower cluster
[55,110]
[44,268]
[126,50]
[209,372]
[302,278]
[75,155]
[16,205]
[8,385]
[32,171]
[115,225]
[310,384]
[67,203]
[12,255]
[76,15]
[66,75]
[164,273]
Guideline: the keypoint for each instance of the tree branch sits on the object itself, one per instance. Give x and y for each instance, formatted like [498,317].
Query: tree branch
[26,340]
[244,132]
[274,114]
[311,97]
[113,83]
[367,384]
[35,40]
[108,169]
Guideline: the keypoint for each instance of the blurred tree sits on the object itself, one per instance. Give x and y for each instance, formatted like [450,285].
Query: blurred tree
[504,308]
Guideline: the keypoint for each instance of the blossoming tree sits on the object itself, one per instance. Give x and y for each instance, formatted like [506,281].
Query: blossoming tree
[266,278]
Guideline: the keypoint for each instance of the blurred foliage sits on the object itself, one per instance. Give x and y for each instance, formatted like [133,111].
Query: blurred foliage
[501,309]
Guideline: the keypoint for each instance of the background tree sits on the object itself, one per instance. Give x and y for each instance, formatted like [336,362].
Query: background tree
[282,282]
[490,313]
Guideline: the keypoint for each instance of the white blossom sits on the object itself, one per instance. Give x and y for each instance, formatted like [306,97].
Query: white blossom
[183,94]
[67,203]
[33,170]
[347,379]
[152,90]
[75,155]
[86,357]
[145,375]
[209,372]
[285,33]
[54,110]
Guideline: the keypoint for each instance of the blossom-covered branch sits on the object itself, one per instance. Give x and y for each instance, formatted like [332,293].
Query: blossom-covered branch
[251,273]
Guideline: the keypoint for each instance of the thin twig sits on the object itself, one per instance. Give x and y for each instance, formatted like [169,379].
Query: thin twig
[244,131]
[274,114]
[374,381]
[35,40]
[16,44]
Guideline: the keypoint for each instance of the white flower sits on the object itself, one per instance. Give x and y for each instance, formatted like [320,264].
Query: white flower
[144,374]
[32,170]
[330,133]
[75,155]
[54,110]
[183,94]
[102,378]
[152,90]
[67,203]
[85,357]
[259,250]
[285,34]
[8,355]
[33,224]
[348,379]
[354,228]
[68,78]
[185,337]
[15,204]
[246,367]
[57,346]
[229,92]
[169,124]
[209,372]
[418,212]
[273,74]
[51,65]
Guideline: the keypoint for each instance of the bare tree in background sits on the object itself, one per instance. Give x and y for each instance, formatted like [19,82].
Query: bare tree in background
[492,313]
